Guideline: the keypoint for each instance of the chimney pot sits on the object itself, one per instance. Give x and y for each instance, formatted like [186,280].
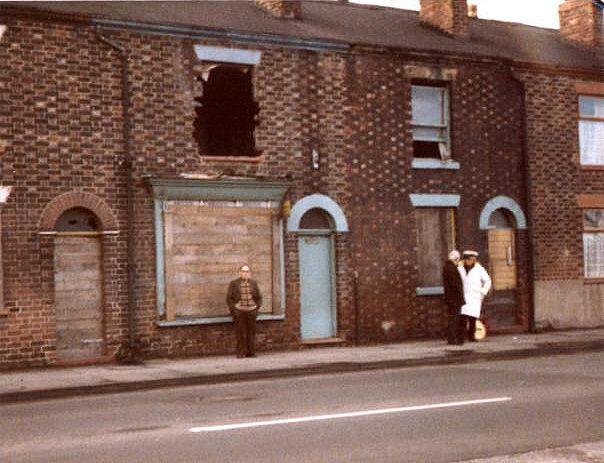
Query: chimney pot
[581,22]
[450,16]
[288,9]
[472,10]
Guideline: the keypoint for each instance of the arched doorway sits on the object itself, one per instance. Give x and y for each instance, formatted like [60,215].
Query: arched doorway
[502,250]
[317,275]
[502,217]
[502,307]
[78,285]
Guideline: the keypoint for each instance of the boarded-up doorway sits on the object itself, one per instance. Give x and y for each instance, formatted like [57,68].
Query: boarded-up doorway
[78,287]
[502,306]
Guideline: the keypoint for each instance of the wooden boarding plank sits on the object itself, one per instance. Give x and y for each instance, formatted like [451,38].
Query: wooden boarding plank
[211,248]
[78,297]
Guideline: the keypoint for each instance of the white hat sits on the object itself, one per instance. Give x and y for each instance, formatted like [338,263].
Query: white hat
[468,253]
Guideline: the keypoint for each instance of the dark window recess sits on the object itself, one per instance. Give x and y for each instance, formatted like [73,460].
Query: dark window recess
[501,218]
[77,219]
[226,113]
[435,239]
[316,219]
[426,149]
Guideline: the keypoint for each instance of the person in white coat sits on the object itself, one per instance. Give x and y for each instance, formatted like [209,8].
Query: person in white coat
[476,285]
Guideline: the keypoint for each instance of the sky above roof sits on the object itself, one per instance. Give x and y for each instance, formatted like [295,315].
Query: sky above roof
[542,13]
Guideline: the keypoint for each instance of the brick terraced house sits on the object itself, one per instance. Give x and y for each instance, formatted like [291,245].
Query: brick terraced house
[147,149]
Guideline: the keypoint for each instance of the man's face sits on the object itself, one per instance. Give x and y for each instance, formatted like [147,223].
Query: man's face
[469,260]
[245,272]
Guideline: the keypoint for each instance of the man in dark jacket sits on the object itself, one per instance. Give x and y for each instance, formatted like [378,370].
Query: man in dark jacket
[244,300]
[454,298]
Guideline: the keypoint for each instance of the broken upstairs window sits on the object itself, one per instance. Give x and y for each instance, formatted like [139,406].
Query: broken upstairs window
[226,113]
[430,121]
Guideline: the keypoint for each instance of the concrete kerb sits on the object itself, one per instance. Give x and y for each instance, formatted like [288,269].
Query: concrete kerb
[447,358]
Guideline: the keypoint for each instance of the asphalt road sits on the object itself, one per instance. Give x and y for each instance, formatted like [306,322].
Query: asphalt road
[426,414]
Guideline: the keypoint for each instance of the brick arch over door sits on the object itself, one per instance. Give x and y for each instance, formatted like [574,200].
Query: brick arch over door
[66,201]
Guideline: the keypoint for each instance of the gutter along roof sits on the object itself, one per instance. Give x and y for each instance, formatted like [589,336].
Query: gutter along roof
[326,24]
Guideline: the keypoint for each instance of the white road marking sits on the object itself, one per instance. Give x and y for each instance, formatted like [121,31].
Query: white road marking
[383,411]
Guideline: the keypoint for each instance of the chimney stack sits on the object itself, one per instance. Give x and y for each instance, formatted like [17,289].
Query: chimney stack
[472,10]
[581,22]
[287,9]
[450,16]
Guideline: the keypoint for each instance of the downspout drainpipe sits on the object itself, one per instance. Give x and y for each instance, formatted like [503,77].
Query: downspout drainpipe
[131,356]
[530,209]
[357,328]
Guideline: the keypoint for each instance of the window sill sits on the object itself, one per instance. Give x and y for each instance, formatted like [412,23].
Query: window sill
[248,159]
[430,291]
[591,166]
[214,320]
[429,163]
[593,281]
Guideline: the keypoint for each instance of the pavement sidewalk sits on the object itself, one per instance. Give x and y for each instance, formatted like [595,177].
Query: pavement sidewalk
[56,382]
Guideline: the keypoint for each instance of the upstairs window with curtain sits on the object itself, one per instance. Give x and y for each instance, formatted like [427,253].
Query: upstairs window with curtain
[593,243]
[591,130]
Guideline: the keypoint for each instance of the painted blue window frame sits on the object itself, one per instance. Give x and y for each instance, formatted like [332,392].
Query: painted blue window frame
[210,190]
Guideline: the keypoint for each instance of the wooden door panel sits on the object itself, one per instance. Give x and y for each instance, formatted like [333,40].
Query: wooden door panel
[78,297]
[502,259]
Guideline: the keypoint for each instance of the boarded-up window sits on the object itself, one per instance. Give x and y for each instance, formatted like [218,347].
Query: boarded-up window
[593,243]
[435,238]
[205,244]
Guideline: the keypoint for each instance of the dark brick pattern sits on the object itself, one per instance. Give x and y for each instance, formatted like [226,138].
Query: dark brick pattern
[61,137]
[556,174]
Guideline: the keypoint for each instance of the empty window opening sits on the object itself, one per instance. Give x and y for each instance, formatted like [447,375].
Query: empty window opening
[77,219]
[316,219]
[226,113]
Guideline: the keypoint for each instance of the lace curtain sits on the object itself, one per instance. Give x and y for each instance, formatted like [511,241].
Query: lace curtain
[593,254]
[591,138]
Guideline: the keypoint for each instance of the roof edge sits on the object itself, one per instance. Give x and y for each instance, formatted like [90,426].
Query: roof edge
[317,44]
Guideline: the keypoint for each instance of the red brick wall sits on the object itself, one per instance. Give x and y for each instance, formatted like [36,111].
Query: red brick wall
[486,140]
[556,174]
[60,133]
[63,107]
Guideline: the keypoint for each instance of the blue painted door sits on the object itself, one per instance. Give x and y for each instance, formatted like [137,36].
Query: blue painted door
[316,287]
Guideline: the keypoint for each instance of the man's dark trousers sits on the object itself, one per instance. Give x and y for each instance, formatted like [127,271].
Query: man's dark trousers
[245,330]
[454,299]
[455,327]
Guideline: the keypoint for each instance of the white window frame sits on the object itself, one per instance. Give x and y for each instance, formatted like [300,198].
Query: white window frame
[585,118]
[599,231]
[444,143]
